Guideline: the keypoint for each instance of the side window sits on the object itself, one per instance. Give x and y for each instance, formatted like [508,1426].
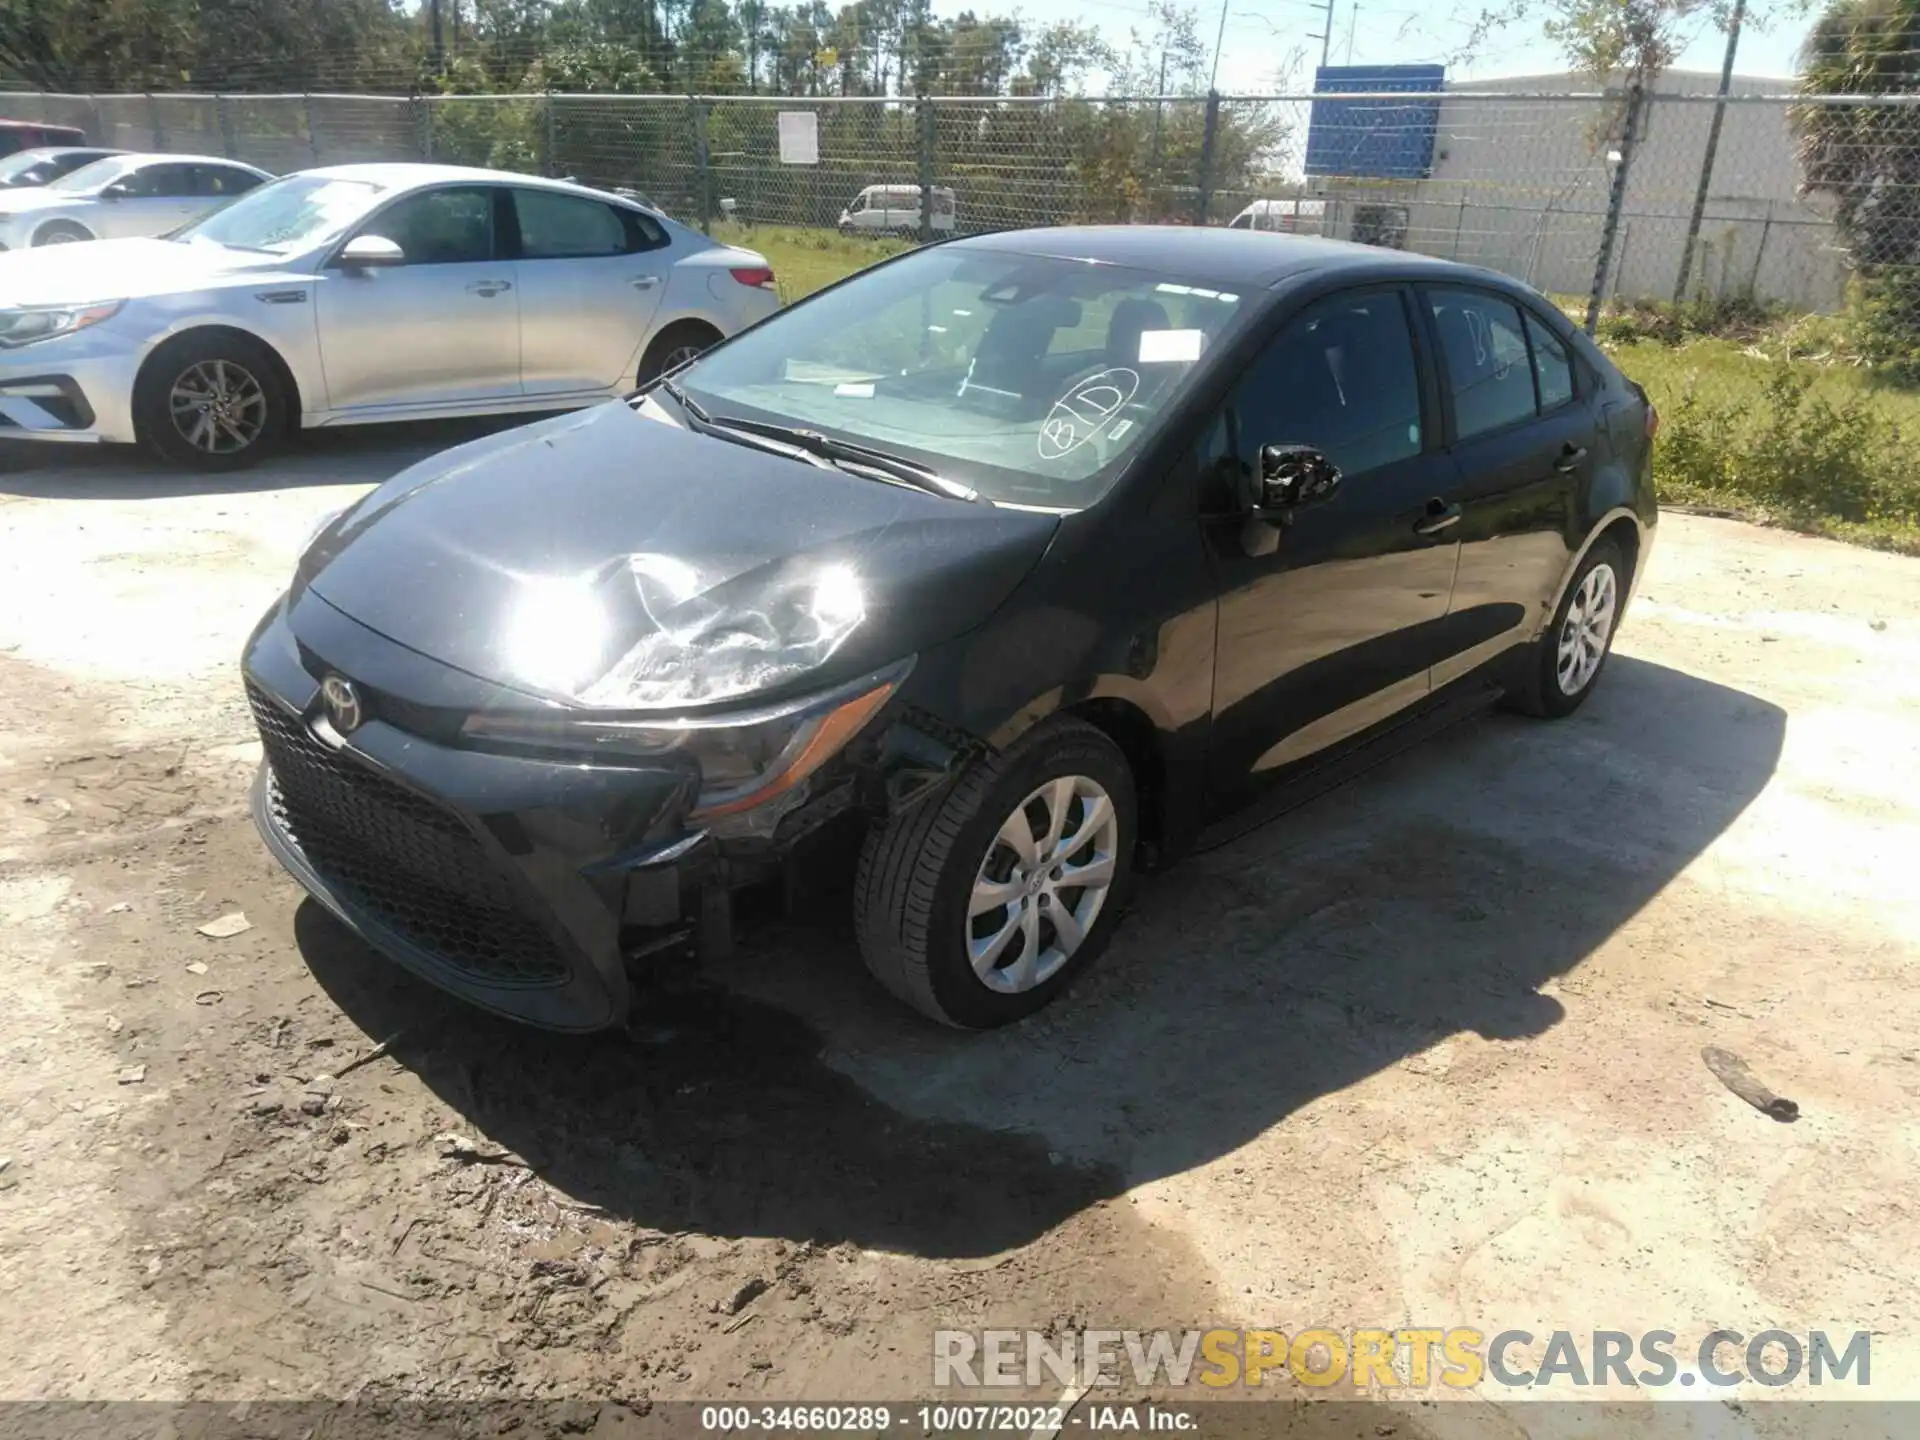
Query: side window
[174,181]
[1485,350]
[1342,378]
[220,180]
[440,227]
[567,227]
[1552,367]
[144,183]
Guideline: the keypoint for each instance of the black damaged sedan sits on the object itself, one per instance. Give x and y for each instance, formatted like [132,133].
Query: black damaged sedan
[1018,563]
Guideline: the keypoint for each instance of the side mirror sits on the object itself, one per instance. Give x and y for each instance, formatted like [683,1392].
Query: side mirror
[115,191]
[371,252]
[1292,476]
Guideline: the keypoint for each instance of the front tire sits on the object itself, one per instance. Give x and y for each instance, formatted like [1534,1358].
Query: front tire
[61,232]
[980,906]
[212,402]
[1569,658]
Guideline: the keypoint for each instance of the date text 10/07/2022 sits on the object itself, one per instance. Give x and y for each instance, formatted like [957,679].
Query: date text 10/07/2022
[937,1419]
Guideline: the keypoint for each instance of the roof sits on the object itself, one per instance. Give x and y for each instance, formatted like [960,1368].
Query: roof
[1232,257]
[401,174]
[169,158]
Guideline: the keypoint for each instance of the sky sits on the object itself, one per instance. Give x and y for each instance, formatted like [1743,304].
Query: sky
[1261,33]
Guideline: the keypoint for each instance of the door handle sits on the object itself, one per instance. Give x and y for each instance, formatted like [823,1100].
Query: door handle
[644,282]
[1441,515]
[1570,456]
[489,287]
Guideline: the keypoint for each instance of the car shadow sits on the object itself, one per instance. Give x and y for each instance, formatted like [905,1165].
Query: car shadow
[783,1095]
[350,455]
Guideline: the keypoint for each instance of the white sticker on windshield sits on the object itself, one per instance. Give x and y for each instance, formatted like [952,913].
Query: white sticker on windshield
[1161,347]
[855,389]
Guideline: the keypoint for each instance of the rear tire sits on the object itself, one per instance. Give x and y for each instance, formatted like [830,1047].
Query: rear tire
[674,346]
[61,232]
[1568,659]
[212,402]
[956,921]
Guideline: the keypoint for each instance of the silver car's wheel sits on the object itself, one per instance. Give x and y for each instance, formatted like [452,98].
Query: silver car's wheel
[218,407]
[680,355]
[1586,630]
[1044,881]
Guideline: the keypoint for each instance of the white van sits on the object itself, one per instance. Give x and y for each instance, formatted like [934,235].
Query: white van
[895,210]
[1291,217]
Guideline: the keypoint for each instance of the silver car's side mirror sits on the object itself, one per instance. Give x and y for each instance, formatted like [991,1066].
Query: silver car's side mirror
[371,252]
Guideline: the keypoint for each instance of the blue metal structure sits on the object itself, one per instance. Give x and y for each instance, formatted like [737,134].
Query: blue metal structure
[1374,139]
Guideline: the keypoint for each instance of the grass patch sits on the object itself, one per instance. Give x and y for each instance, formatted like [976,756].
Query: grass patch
[806,260]
[1819,447]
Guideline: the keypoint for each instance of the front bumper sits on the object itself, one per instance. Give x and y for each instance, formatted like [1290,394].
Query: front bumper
[518,884]
[74,389]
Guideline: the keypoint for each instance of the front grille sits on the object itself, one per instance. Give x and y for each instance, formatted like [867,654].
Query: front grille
[400,857]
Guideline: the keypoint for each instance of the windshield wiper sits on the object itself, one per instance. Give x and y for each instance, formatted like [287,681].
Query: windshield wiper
[847,453]
[818,449]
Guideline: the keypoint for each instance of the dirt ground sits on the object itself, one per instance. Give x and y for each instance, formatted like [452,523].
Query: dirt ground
[1426,1052]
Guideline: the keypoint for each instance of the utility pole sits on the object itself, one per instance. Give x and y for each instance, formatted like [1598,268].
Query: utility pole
[1325,37]
[1713,145]
[439,50]
[1159,107]
[1220,39]
[1353,19]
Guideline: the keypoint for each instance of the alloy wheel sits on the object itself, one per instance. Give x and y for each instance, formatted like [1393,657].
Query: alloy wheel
[1045,879]
[218,407]
[680,355]
[1586,630]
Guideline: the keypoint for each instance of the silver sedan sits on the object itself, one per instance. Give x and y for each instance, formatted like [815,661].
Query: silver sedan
[360,293]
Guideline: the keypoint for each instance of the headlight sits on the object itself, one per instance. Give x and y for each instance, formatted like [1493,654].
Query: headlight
[743,759]
[26,324]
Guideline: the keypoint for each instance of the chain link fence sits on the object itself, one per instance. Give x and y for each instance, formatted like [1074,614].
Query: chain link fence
[1666,196]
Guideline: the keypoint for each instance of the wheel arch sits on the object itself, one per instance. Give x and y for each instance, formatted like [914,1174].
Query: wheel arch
[284,371]
[1626,529]
[1138,739]
[67,220]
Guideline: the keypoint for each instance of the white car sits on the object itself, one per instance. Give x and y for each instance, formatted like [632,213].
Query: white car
[121,197]
[360,293]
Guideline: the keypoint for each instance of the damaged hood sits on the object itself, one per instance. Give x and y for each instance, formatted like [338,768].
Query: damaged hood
[609,560]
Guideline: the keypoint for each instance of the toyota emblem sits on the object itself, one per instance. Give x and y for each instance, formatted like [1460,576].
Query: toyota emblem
[343,703]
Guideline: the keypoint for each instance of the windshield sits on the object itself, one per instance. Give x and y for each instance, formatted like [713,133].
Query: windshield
[27,165]
[288,215]
[1026,377]
[92,177]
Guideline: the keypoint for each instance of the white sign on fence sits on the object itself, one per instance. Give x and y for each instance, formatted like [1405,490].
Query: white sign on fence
[799,137]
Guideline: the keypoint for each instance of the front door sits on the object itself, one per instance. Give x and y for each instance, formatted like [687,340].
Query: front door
[591,276]
[149,201]
[441,329]
[1329,621]
[1523,441]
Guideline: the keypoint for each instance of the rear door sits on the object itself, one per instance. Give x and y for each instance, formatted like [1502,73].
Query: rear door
[590,276]
[1522,441]
[441,329]
[1329,622]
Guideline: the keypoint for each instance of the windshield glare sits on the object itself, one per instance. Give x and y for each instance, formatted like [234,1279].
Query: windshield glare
[285,216]
[17,167]
[1026,377]
[93,177]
